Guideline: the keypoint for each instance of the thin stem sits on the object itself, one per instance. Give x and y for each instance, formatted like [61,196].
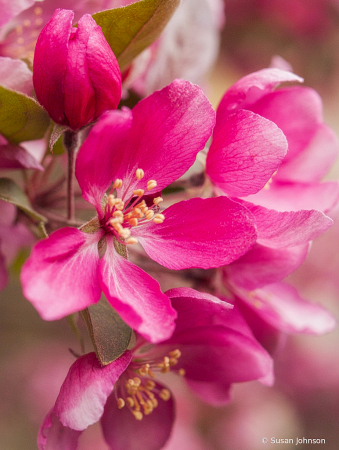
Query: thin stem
[71,143]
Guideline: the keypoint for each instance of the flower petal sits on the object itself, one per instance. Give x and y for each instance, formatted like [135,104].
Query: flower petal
[54,436]
[136,296]
[296,196]
[123,432]
[14,74]
[50,61]
[101,153]
[16,157]
[263,265]
[284,229]
[200,233]
[249,89]
[281,306]
[245,153]
[212,393]
[60,276]
[86,388]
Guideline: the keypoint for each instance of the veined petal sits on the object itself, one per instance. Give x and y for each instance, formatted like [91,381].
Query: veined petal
[281,306]
[136,296]
[245,153]
[284,229]
[60,277]
[263,265]
[249,89]
[86,388]
[199,232]
[123,432]
[169,128]
[101,153]
[16,157]
[14,73]
[54,436]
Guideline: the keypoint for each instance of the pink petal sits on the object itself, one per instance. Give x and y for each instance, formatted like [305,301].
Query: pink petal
[79,95]
[103,69]
[296,196]
[298,113]
[283,229]
[246,150]
[14,74]
[16,157]
[86,388]
[169,128]
[264,265]
[54,436]
[123,432]
[250,89]
[136,296]
[3,272]
[281,306]
[60,276]
[212,393]
[199,232]
[50,61]
[314,161]
[101,153]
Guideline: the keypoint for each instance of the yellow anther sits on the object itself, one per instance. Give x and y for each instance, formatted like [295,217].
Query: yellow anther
[144,209]
[151,184]
[166,359]
[117,227]
[151,374]
[159,218]
[121,403]
[149,214]
[120,206]
[117,183]
[138,415]
[139,192]
[125,233]
[130,382]
[140,398]
[111,200]
[182,372]
[165,394]
[118,214]
[133,222]
[131,240]
[38,11]
[137,381]
[137,212]
[175,353]
[27,23]
[139,173]
[154,402]
[173,361]
[150,384]
[157,200]
[144,370]
[142,204]
[130,402]
[116,220]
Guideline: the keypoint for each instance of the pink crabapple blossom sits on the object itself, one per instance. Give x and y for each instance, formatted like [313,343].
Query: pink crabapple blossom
[75,73]
[141,151]
[211,347]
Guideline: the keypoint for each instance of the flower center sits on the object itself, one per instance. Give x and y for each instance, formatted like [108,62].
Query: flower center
[121,216]
[141,394]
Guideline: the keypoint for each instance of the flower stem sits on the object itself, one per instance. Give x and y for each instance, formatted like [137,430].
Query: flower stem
[71,143]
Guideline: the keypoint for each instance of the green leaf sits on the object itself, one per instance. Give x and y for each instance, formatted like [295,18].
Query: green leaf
[12,193]
[131,29]
[110,335]
[21,117]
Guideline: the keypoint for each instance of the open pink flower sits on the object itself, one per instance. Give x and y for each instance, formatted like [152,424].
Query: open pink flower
[75,73]
[295,184]
[211,347]
[141,152]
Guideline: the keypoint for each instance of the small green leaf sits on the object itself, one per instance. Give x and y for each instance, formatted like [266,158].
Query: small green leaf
[131,29]
[109,333]
[21,117]
[12,193]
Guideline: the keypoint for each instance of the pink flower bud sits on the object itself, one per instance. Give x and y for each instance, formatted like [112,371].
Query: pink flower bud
[75,73]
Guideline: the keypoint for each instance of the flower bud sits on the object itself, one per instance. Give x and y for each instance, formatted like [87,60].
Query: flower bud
[75,73]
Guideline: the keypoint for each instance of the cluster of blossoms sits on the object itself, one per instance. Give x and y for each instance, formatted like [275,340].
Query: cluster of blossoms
[246,221]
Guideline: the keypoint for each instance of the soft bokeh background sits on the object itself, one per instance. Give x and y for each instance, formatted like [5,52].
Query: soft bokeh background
[304,402]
